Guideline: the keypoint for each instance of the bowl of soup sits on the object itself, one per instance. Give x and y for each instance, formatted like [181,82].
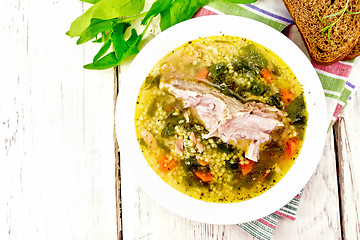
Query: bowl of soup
[221,119]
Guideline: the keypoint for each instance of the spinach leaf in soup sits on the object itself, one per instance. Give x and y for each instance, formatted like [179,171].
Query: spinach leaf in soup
[163,146]
[168,130]
[152,108]
[252,58]
[250,62]
[258,88]
[297,113]
[191,165]
[242,67]
[275,100]
[296,110]
[232,164]
[152,81]
[217,72]
[171,122]
[194,127]
[225,148]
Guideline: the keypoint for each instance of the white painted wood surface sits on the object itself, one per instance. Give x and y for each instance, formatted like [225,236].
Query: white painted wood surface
[350,138]
[348,133]
[57,174]
[57,149]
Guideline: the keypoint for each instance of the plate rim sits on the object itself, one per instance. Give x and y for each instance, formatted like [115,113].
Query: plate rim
[196,212]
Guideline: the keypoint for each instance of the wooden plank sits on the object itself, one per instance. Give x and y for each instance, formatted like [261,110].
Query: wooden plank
[348,176]
[347,132]
[56,128]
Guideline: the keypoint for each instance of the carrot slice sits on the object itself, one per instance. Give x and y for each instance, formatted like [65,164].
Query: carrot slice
[168,108]
[247,168]
[286,96]
[202,74]
[165,164]
[267,75]
[205,177]
[291,147]
[202,162]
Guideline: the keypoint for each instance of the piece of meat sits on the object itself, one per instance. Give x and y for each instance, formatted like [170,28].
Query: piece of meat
[197,144]
[193,138]
[200,147]
[149,139]
[253,150]
[244,125]
[224,116]
[206,103]
[179,147]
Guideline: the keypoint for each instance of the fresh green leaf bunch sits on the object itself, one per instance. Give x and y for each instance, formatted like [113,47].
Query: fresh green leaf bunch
[108,21]
[329,26]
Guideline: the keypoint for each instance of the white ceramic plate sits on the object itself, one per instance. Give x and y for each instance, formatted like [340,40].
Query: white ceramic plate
[221,213]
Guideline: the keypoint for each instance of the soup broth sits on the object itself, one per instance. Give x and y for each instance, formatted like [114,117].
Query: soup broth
[221,119]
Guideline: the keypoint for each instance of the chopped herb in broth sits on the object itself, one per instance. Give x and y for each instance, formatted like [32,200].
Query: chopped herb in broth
[221,119]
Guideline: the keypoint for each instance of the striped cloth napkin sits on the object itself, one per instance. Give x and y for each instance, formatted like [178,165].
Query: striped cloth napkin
[334,79]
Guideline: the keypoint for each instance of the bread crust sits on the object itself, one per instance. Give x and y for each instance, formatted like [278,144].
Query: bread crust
[354,52]
[345,33]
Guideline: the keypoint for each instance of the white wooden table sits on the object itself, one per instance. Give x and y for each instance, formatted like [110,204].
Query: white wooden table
[58,153]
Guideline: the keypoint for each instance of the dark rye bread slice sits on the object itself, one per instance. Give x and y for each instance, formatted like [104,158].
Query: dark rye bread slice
[344,34]
[354,52]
